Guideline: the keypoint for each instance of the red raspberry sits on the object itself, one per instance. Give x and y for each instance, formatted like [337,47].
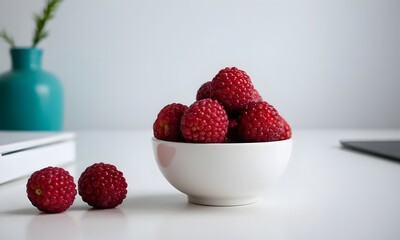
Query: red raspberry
[51,189]
[205,122]
[261,122]
[256,96]
[288,129]
[233,134]
[168,122]
[233,88]
[204,91]
[101,185]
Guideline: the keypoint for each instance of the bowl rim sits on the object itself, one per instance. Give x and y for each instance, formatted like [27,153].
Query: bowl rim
[154,139]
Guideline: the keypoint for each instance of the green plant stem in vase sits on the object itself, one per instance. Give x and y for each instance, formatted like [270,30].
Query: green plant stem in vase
[4,35]
[40,22]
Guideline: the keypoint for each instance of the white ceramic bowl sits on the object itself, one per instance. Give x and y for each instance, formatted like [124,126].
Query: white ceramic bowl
[223,174]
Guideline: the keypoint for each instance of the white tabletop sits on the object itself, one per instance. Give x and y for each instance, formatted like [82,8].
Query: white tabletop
[326,193]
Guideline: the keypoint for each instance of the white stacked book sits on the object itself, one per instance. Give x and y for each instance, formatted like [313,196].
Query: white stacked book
[22,153]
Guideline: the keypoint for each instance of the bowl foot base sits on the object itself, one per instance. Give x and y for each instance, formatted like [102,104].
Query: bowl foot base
[222,202]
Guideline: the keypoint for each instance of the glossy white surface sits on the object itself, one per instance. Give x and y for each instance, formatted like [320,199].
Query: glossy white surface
[326,193]
[222,174]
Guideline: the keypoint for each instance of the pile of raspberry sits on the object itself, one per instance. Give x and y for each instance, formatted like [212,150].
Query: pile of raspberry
[53,190]
[228,109]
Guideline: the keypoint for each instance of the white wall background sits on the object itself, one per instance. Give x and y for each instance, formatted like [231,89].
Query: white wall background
[333,63]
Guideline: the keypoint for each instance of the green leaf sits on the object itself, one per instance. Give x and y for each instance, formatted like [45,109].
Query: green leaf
[41,21]
[7,38]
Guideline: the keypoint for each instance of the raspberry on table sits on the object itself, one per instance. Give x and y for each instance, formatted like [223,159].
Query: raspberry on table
[205,121]
[51,189]
[204,91]
[102,186]
[167,125]
[233,88]
[261,122]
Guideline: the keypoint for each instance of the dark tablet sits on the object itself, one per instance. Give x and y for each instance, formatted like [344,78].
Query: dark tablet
[386,149]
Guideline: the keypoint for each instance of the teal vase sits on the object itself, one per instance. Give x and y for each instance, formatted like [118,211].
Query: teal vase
[30,97]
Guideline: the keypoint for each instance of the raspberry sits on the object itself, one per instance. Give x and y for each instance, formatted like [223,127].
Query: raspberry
[205,122]
[101,185]
[204,91]
[51,189]
[233,134]
[256,97]
[261,122]
[233,88]
[167,125]
[288,129]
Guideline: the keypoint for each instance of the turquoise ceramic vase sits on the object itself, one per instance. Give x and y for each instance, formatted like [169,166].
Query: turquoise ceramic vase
[30,97]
